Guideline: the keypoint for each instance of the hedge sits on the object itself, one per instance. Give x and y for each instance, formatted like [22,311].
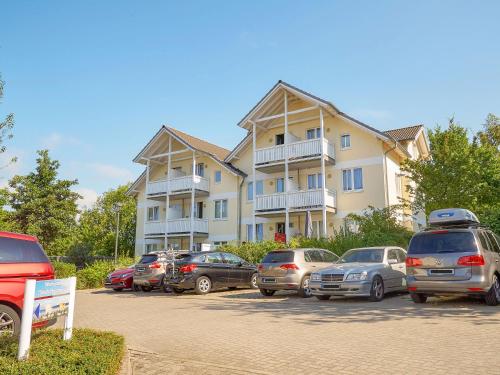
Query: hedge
[88,352]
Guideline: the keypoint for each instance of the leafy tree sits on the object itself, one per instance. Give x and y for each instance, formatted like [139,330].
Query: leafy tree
[458,173]
[45,206]
[491,131]
[6,126]
[97,225]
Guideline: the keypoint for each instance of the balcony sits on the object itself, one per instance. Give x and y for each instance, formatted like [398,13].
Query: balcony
[178,227]
[300,151]
[178,186]
[297,200]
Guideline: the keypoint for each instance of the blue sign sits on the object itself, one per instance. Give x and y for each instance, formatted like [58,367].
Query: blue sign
[51,288]
[50,308]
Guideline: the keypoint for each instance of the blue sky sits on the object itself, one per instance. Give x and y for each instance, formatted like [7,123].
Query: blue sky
[94,80]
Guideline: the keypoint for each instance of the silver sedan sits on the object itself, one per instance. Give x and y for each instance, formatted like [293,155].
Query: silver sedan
[364,272]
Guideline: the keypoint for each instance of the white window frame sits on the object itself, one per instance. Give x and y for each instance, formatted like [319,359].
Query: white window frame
[317,133]
[218,173]
[218,244]
[221,202]
[347,136]
[154,210]
[276,183]
[353,189]
[317,181]
[398,177]
[250,189]
[250,232]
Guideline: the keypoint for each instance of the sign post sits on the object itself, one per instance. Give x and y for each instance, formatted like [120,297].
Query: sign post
[46,300]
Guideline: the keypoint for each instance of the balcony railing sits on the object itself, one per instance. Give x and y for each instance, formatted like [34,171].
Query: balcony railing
[178,185]
[176,226]
[296,150]
[296,200]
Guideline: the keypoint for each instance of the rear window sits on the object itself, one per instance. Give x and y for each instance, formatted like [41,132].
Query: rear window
[279,257]
[442,242]
[150,258]
[21,251]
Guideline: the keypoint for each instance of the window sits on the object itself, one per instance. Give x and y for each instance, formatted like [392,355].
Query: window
[198,210]
[314,256]
[280,227]
[218,244]
[221,209]
[259,187]
[150,247]
[214,258]
[442,242]
[345,141]
[259,228]
[280,139]
[494,242]
[218,177]
[21,251]
[329,256]
[399,186]
[280,185]
[200,169]
[313,133]
[352,179]
[393,254]
[401,256]
[314,181]
[231,258]
[154,213]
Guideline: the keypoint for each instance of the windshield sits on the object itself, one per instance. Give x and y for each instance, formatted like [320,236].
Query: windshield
[150,258]
[279,257]
[363,256]
[442,241]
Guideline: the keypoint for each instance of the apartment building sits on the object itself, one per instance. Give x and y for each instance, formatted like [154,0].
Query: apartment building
[302,160]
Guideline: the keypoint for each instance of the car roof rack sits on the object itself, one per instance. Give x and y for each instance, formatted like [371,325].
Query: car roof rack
[456,226]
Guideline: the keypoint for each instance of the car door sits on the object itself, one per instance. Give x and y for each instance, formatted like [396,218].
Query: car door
[395,269]
[495,247]
[402,268]
[314,260]
[237,271]
[218,271]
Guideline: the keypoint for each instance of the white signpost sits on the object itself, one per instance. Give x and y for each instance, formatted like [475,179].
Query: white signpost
[46,300]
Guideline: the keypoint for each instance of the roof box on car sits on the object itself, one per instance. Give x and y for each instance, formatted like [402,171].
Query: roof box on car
[452,216]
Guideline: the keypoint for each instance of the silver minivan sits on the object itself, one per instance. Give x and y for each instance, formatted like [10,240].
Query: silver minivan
[456,255]
[290,269]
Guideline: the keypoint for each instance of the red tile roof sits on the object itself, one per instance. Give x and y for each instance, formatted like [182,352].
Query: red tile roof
[404,134]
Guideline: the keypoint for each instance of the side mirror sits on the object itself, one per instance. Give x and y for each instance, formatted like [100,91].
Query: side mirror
[240,264]
[392,261]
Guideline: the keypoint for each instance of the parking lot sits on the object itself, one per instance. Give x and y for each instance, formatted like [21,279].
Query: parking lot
[242,332]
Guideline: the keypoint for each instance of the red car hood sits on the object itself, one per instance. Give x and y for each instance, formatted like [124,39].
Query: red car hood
[119,273]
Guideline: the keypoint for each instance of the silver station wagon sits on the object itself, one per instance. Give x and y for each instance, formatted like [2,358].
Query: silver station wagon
[364,272]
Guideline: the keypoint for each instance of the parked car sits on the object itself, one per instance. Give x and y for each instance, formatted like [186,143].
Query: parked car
[290,269]
[365,272]
[206,271]
[455,255]
[21,258]
[149,272]
[121,279]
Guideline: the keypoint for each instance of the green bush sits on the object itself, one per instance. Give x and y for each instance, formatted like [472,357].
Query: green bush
[252,252]
[64,270]
[94,275]
[88,352]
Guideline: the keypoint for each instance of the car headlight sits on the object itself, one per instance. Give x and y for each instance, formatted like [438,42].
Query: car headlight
[124,276]
[315,277]
[357,276]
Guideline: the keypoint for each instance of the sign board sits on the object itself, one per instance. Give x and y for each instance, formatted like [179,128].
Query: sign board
[46,300]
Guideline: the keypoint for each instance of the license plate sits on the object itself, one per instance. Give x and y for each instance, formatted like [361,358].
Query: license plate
[141,269]
[443,272]
[268,280]
[331,286]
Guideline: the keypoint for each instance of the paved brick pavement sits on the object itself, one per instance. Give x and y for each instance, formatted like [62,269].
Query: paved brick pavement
[240,332]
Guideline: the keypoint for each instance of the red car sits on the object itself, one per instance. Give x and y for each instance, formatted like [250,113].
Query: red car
[121,279]
[21,257]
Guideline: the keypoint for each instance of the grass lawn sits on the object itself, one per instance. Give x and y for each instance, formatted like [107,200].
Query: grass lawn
[88,352]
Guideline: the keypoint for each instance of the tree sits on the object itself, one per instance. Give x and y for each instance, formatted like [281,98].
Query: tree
[97,225]
[6,126]
[491,131]
[45,206]
[458,173]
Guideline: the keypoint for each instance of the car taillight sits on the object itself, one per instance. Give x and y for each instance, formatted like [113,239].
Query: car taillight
[289,266]
[471,260]
[413,262]
[155,265]
[188,268]
[260,267]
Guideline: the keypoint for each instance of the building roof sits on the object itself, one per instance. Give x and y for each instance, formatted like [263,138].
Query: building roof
[405,134]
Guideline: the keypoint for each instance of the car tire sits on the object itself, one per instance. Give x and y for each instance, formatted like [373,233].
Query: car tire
[418,297]
[267,292]
[492,298]
[304,290]
[323,297]
[377,290]
[136,288]
[118,289]
[177,290]
[203,285]
[10,316]
[253,282]
[146,288]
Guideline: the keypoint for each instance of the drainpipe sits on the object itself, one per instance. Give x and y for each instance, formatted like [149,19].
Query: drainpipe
[239,210]
[386,181]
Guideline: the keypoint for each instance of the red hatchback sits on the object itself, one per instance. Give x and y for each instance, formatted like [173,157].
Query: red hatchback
[21,258]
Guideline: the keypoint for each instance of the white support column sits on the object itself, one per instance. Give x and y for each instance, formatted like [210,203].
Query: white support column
[287,215]
[254,184]
[191,234]
[323,177]
[167,200]
[148,163]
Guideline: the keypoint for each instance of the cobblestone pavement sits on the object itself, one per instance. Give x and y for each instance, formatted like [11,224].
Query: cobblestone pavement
[240,332]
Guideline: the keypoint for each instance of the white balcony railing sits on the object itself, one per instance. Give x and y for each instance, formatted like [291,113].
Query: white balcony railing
[176,226]
[296,200]
[296,150]
[177,185]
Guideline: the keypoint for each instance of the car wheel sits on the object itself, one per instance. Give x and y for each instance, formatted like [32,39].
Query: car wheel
[304,290]
[323,297]
[203,285]
[418,297]
[135,288]
[177,290]
[377,291]
[253,282]
[117,289]
[267,292]
[10,321]
[492,298]
[146,288]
